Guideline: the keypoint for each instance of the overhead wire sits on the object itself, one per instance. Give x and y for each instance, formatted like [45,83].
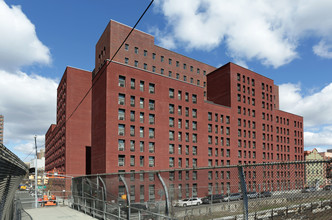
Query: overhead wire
[109,61]
[43,145]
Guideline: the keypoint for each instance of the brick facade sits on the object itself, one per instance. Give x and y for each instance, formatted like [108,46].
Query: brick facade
[154,109]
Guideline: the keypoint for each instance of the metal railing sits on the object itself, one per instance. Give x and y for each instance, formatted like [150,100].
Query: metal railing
[12,171]
[247,191]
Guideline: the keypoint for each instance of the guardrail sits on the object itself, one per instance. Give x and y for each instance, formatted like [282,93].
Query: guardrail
[12,171]
[275,190]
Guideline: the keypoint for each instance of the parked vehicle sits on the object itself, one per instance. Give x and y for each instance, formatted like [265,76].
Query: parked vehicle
[328,187]
[188,202]
[213,199]
[308,189]
[252,195]
[232,197]
[265,194]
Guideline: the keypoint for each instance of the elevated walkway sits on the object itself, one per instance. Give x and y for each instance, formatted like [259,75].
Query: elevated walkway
[57,213]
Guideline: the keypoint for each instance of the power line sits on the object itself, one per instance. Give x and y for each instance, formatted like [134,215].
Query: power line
[33,151]
[110,61]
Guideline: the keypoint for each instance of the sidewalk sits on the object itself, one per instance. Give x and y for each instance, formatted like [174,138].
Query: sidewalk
[56,213]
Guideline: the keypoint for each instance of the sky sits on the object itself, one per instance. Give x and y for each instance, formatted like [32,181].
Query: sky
[287,41]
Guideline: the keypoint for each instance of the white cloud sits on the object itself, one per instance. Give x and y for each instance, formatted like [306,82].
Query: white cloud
[322,137]
[316,110]
[323,49]
[268,31]
[19,44]
[28,104]
[27,101]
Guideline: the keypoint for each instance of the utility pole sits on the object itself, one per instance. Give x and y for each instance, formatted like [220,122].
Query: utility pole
[36,176]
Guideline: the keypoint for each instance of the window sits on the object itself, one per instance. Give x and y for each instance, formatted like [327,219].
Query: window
[136,50]
[184,66]
[191,80]
[132,130]
[132,115]
[179,95]
[194,162]
[141,117]
[141,146]
[194,138]
[132,101]
[122,81]
[136,63]
[151,119]
[171,162]
[141,86]
[153,69]
[179,149]
[185,78]
[171,135]
[141,132]
[209,139]
[161,71]
[151,104]
[227,130]
[132,145]
[121,145]
[194,113]
[145,53]
[227,119]
[171,148]
[194,98]
[179,123]
[171,122]
[151,132]
[151,161]
[177,76]
[228,142]
[170,61]
[209,128]
[127,47]
[171,93]
[121,114]
[171,108]
[153,56]
[141,161]
[121,160]
[170,73]
[180,165]
[121,99]
[141,102]
[126,60]
[191,68]
[132,160]
[194,150]
[198,70]
[161,58]
[179,110]
[151,88]
[145,66]
[194,125]
[151,147]
[180,136]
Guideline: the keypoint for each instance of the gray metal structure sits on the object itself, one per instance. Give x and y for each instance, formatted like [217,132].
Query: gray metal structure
[12,171]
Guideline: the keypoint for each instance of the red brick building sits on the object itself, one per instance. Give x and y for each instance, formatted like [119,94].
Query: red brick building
[68,143]
[154,109]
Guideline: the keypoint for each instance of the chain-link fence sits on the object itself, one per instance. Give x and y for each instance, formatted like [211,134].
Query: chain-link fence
[296,190]
[12,171]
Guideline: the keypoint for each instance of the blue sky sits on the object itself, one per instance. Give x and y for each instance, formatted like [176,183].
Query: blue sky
[287,41]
